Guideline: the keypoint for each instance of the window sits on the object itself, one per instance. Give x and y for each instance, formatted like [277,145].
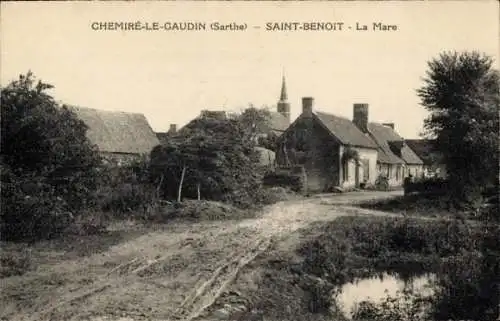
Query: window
[389,171]
[398,173]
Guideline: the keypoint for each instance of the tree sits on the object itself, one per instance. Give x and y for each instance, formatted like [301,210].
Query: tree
[48,165]
[254,121]
[216,156]
[270,141]
[461,92]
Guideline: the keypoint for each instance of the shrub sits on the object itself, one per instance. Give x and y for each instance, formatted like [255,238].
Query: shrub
[429,186]
[31,208]
[285,180]
[211,159]
[128,189]
[404,306]
[49,168]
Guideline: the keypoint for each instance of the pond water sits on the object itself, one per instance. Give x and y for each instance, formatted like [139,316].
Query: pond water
[376,289]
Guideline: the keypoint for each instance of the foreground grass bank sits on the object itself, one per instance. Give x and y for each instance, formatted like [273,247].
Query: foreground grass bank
[300,284]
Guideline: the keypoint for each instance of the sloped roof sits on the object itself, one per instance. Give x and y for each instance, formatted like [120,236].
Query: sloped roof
[278,122]
[345,130]
[117,132]
[385,136]
[425,149]
[410,157]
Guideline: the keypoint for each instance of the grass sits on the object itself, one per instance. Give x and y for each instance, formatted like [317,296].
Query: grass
[19,258]
[97,232]
[330,254]
[413,205]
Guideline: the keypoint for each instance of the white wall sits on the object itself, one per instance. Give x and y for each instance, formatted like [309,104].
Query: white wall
[364,154]
[394,172]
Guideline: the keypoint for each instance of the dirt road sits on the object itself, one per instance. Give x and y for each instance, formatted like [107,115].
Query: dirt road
[168,274]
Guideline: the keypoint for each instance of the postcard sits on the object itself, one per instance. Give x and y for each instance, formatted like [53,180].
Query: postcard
[249,160]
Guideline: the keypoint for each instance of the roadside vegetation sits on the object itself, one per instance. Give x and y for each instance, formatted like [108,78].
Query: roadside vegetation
[461,93]
[56,185]
[304,283]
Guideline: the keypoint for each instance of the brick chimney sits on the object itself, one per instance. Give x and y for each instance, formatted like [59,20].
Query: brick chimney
[307,106]
[360,117]
[391,125]
[173,129]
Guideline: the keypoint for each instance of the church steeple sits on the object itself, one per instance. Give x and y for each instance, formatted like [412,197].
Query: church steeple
[284,95]
[283,104]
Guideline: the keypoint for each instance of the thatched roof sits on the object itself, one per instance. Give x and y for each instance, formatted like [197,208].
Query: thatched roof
[118,132]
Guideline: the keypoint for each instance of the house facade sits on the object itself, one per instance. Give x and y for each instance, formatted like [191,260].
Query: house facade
[332,150]
[336,151]
[396,159]
[120,137]
[432,158]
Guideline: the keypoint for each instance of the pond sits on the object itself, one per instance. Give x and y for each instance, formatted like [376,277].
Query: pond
[377,288]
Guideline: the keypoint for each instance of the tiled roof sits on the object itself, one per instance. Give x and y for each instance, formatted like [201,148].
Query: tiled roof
[345,130]
[117,132]
[385,137]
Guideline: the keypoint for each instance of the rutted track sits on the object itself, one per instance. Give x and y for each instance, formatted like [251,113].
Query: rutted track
[179,274]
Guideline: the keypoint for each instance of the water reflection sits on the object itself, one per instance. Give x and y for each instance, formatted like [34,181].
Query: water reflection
[376,289]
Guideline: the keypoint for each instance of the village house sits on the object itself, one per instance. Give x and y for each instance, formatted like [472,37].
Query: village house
[336,151]
[332,149]
[120,137]
[396,160]
[433,159]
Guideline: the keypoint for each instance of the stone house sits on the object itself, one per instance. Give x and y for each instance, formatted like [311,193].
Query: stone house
[396,159]
[332,150]
[336,151]
[120,137]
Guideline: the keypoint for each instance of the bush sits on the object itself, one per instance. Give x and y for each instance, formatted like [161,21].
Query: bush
[128,189]
[429,186]
[31,208]
[213,160]
[404,306]
[285,180]
[49,168]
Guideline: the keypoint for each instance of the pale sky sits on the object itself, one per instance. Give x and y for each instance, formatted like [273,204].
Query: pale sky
[170,76]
